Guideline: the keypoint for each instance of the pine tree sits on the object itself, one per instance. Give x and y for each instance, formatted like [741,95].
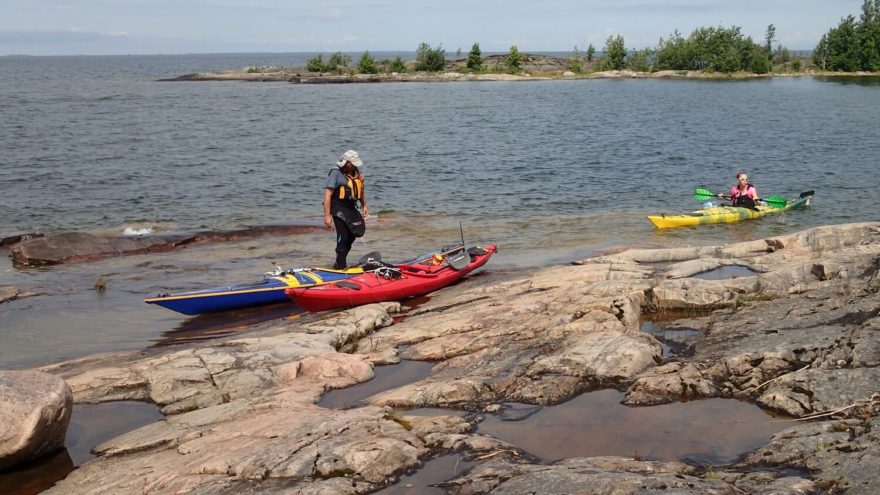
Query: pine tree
[513,59]
[615,53]
[475,59]
[367,64]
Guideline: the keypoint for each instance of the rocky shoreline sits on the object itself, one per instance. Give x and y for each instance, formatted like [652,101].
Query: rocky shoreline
[297,75]
[799,336]
[533,68]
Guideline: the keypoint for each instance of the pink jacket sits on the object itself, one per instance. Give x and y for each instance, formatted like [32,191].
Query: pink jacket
[750,192]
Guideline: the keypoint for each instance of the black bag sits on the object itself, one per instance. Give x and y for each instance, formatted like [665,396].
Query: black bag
[352,219]
[744,202]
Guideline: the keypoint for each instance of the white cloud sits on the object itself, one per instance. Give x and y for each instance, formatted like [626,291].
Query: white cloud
[187,26]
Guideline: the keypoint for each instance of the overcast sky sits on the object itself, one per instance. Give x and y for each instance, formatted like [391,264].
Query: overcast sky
[100,27]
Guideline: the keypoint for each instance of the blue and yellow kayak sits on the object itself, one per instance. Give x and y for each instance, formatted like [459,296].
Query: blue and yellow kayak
[725,214]
[269,290]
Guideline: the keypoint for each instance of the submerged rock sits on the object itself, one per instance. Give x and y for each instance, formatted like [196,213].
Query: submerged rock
[77,246]
[73,247]
[8,293]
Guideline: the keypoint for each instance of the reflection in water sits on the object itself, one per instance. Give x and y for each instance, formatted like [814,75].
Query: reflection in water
[429,411]
[387,378]
[90,425]
[725,272]
[850,80]
[93,424]
[713,431]
[434,471]
[36,476]
[675,341]
[221,324]
[415,302]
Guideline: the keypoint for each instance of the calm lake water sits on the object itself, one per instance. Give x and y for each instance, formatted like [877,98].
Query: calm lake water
[551,171]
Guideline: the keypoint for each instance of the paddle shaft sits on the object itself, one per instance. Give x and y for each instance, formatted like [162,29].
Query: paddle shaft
[704,194]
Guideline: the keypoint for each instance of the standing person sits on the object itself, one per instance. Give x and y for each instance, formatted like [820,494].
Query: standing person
[743,193]
[342,192]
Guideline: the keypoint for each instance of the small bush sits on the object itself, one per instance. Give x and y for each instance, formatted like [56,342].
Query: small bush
[316,64]
[575,62]
[397,65]
[640,61]
[430,59]
[338,61]
[513,59]
[367,64]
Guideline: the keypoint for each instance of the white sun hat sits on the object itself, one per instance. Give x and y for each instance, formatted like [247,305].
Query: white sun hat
[350,156]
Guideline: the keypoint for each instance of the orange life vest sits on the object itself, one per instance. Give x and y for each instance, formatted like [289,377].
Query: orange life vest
[354,188]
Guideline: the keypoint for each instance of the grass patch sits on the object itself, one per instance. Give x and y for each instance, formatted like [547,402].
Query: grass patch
[712,475]
[402,422]
[750,299]
[337,473]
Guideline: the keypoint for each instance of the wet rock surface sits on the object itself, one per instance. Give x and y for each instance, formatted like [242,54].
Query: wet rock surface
[612,475]
[798,337]
[70,247]
[15,239]
[8,293]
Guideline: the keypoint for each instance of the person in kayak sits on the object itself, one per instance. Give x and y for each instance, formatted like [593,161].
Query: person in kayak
[342,192]
[743,193]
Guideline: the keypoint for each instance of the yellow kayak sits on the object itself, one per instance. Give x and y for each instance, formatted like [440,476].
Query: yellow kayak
[725,214]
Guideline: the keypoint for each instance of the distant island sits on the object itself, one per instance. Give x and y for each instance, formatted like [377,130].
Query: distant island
[852,49]
[532,67]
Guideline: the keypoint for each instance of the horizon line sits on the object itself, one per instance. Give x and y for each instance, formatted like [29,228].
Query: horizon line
[310,52]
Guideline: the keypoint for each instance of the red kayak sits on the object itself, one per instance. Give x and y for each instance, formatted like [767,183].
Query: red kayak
[393,282]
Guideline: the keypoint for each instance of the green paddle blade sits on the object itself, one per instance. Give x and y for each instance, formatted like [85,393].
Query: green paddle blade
[701,194]
[776,201]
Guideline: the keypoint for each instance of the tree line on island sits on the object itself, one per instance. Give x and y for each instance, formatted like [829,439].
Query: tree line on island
[854,45]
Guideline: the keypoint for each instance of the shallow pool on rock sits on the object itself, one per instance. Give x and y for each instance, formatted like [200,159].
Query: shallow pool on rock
[710,431]
[386,378]
[726,272]
[674,340]
[434,471]
[90,425]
